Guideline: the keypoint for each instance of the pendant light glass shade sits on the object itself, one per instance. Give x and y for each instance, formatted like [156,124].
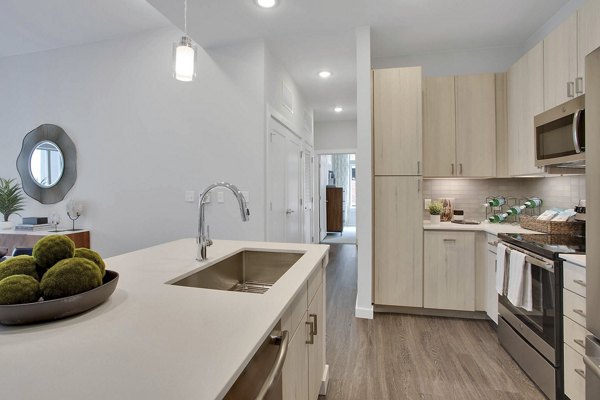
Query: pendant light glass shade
[184,60]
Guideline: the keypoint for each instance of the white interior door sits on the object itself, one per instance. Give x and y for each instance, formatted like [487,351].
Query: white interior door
[277,186]
[293,213]
[323,177]
[307,195]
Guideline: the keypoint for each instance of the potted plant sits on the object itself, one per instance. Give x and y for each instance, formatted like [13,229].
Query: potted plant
[435,210]
[11,201]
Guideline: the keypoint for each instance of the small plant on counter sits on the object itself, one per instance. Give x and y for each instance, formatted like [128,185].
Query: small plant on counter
[435,208]
[11,198]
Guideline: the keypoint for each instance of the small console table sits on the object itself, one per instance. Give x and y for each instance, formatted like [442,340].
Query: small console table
[12,238]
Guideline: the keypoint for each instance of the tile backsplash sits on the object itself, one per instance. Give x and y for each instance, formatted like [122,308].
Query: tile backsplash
[469,194]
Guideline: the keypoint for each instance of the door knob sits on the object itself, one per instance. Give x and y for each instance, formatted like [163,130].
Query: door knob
[289,211]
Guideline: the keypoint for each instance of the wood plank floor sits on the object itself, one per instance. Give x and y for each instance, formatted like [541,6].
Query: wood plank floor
[398,356]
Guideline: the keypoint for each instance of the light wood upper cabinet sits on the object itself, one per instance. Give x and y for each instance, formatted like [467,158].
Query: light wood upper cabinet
[588,32]
[449,270]
[398,241]
[459,126]
[439,126]
[476,125]
[560,64]
[525,100]
[397,121]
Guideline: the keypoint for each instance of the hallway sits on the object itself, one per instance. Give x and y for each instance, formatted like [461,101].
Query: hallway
[411,357]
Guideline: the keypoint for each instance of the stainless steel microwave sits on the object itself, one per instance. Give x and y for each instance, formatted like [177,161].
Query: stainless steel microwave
[560,135]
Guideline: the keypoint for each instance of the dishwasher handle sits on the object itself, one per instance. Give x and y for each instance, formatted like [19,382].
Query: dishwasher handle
[273,376]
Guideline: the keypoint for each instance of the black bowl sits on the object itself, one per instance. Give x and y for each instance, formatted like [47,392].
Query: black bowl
[47,310]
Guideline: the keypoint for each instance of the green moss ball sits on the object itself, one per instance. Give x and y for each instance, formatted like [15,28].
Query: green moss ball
[92,256]
[69,277]
[51,249]
[19,265]
[19,289]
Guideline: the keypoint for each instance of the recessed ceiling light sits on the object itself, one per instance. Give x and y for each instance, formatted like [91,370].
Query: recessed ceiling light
[324,74]
[266,3]
[338,109]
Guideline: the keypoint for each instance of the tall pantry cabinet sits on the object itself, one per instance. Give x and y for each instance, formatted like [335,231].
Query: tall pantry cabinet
[398,200]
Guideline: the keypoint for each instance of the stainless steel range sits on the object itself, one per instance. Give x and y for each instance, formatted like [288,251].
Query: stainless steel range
[532,333]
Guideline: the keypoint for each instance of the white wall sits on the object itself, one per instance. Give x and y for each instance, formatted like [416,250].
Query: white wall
[364,220]
[142,137]
[335,135]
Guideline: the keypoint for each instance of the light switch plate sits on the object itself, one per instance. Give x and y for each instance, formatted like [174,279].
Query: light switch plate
[220,197]
[246,195]
[190,196]
[427,203]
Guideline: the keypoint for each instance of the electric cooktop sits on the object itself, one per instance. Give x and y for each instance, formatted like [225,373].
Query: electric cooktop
[545,244]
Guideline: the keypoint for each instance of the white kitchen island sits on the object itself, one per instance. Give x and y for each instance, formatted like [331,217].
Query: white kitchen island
[151,340]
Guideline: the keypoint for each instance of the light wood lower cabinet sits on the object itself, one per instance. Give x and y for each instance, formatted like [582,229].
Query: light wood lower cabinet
[398,241]
[449,270]
[304,319]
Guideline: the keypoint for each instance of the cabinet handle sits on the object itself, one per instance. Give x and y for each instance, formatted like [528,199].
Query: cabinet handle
[579,312]
[579,342]
[579,282]
[570,89]
[418,167]
[452,173]
[315,332]
[579,85]
[312,336]
[449,240]
[460,169]
[580,372]
[493,243]
[418,185]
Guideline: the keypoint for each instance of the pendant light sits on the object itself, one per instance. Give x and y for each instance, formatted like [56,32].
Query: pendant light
[184,54]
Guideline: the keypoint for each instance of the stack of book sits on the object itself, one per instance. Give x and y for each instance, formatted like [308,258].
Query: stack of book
[34,224]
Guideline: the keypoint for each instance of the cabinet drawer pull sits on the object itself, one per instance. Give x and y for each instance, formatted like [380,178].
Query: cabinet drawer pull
[418,167]
[312,335]
[493,243]
[449,240]
[315,332]
[570,89]
[452,167]
[579,282]
[460,168]
[579,85]
[580,372]
[579,342]
[579,312]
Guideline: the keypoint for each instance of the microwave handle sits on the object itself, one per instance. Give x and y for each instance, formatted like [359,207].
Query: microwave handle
[576,118]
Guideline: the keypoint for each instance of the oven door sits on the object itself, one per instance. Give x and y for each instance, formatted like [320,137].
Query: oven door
[538,325]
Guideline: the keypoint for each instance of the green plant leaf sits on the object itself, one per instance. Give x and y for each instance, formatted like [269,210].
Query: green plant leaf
[12,199]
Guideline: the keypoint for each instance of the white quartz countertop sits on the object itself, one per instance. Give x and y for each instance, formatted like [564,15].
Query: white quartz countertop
[485,226]
[577,259]
[151,340]
[41,233]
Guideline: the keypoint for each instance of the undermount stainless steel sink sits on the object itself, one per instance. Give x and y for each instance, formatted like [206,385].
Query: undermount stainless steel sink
[249,271]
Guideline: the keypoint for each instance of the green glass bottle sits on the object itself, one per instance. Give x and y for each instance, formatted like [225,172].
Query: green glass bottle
[496,202]
[533,202]
[516,210]
[497,218]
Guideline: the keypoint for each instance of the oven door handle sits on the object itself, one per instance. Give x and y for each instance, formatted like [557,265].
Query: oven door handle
[593,364]
[540,263]
[576,118]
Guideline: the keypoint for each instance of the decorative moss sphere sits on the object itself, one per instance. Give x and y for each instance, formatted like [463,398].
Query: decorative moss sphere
[19,265]
[92,256]
[51,249]
[19,289]
[69,277]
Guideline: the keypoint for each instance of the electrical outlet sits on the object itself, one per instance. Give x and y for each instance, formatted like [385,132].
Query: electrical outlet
[190,196]
[246,195]
[220,197]
[427,203]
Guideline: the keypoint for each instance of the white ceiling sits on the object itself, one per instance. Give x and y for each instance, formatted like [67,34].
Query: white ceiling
[305,35]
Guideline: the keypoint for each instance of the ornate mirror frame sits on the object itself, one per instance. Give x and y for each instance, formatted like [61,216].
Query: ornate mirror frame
[56,135]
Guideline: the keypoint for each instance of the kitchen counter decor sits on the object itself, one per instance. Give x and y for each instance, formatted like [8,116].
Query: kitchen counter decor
[554,227]
[58,281]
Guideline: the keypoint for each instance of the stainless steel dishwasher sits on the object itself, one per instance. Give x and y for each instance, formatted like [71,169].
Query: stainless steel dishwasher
[261,379]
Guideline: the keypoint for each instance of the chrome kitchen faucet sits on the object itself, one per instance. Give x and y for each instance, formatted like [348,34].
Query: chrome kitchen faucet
[203,237]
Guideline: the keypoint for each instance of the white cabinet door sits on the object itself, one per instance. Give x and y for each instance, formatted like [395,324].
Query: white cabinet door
[588,34]
[316,356]
[449,270]
[295,369]
[398,241]
[491,303]
[439,124]
[560,63]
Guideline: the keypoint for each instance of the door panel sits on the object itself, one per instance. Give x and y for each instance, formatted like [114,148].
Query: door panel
[293,214]
[277,145]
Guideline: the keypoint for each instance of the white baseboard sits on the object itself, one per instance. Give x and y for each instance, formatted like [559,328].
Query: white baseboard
[363,312]
[325,381]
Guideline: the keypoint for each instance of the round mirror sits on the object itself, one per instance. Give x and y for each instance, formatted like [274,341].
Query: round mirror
[46,164]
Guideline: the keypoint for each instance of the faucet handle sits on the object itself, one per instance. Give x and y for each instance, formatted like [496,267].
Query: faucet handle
[209,241]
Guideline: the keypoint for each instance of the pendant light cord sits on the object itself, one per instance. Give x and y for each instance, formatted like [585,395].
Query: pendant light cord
[185,16]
